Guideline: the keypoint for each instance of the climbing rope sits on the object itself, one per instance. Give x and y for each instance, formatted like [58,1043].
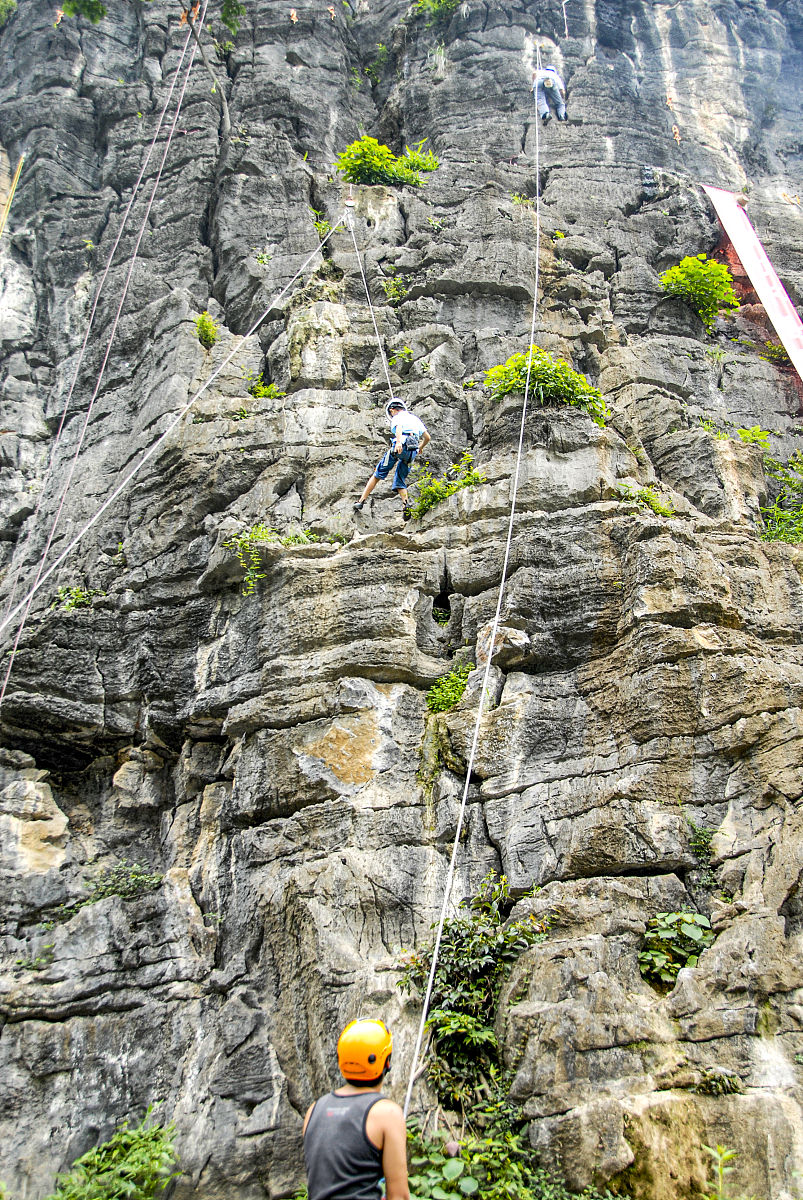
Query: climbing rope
[349,222]
[104,363]
[415,1069]
[10,197]
[149,453]
[32,523]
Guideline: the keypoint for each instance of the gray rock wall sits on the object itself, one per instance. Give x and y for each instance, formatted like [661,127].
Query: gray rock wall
[270,754]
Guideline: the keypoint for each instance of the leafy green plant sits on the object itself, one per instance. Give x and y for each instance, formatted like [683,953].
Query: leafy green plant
[128,880]
[207,330]
[519,198]
[647,497]
[700,845]
[240,414]
[75,596]
[436,8]
[263,258]
[247,546]
[721,1156]
[431,491]
[552,381]
[7,10]
[558,234]
[673,940]
[418,159]
[322,226]
[368,161]
[440,615]
[774,352]
[478,947]
[708,425]
[782,524]
[498,1166]
[705,285]
[263,391]
[405,355]
[134,1164]
[447,691]
[437,223]
[395,288]
[40,961]
[754,436]
[718,1083]
[783,519]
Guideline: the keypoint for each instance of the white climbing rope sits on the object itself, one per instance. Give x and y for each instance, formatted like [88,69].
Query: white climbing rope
[102,371]
[149,453]
[32,524]
[349,222]
[415,1069]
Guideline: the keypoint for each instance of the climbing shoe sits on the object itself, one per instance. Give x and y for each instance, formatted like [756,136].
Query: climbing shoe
[358,505]
[407,512]
[546,118]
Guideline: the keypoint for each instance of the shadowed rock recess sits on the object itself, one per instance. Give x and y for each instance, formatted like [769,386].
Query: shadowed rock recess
[265,753]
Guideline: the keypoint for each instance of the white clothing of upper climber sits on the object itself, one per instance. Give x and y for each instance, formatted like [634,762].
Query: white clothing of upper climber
[548,86]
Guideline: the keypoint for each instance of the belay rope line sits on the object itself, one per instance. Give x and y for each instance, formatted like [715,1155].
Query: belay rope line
[415,1069]
[88,415]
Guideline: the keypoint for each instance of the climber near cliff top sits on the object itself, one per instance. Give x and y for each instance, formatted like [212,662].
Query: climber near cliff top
[354,1136]
[408,435]
[548,86]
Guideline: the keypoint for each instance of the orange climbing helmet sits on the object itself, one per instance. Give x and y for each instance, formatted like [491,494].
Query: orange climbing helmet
[363,1051]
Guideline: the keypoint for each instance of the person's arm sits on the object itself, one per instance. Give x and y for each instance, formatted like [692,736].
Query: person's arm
[425,440]
[394,1152]
[396,432]
[306,1119]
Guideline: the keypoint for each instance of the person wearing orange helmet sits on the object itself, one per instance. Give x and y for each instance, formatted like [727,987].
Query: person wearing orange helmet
[354,1136]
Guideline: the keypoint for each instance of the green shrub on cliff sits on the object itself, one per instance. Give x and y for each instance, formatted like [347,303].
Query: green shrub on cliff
[552,381]
[783,519]
[431,491]
[705,285]
[207,330]
[369,161]
[673,940]
[447,691]
[134,1164]
[7,10]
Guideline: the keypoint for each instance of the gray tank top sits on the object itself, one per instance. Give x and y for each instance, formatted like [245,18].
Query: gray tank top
[341,1163]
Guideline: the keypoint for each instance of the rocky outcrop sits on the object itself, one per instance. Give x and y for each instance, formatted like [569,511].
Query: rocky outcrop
[270,754]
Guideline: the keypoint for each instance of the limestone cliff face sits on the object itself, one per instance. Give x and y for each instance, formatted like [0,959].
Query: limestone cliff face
[267,754]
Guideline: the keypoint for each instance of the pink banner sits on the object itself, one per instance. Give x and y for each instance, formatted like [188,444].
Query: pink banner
[769,289]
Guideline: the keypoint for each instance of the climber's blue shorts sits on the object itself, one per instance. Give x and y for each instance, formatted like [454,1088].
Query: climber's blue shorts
[403,463]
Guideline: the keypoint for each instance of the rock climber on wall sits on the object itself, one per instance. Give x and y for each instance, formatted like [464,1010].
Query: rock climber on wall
[408,435]
[354,1136]
[549,88]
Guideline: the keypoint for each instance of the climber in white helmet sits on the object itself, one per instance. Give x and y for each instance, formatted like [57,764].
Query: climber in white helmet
[549,89]
[408,435]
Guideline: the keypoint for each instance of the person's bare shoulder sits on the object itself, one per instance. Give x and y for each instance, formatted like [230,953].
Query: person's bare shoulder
[389,1111]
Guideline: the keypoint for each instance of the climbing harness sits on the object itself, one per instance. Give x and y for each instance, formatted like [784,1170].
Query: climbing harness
[415,1069]
[104,363]
[149,453]
[10,197]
